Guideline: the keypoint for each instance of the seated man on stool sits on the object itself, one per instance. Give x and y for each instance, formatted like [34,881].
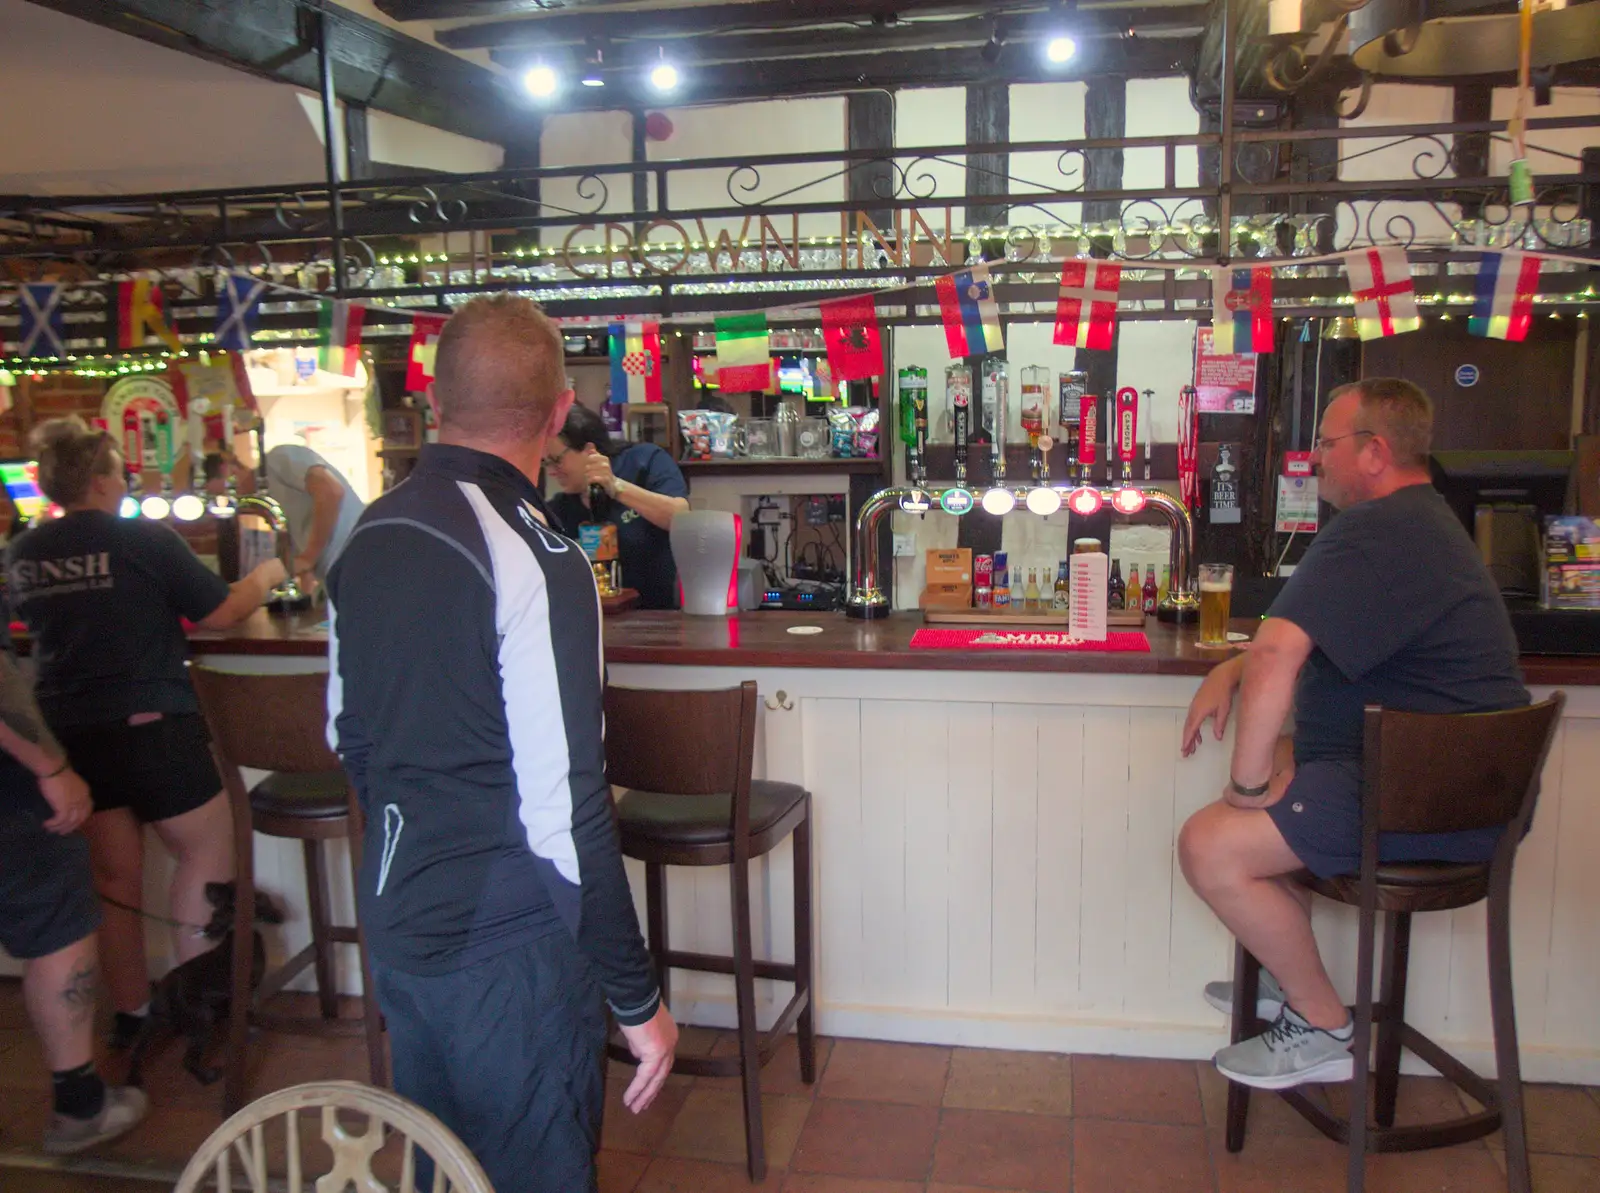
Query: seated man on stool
[1392,605]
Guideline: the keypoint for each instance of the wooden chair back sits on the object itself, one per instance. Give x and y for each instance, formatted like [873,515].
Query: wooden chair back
[684,743]
[1442,773]
[263,1146]
[267,722]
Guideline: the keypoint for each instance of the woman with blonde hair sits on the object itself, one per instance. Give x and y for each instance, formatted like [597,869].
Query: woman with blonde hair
[103,598]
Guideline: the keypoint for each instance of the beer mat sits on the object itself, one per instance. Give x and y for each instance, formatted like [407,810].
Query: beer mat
[925,639]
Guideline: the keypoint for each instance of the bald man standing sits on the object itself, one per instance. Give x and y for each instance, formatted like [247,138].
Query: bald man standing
[466,700]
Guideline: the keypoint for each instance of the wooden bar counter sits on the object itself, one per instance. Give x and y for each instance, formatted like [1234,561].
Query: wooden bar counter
[994,842]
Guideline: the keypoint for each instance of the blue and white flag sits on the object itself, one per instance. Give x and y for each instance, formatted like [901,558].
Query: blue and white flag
[41,329]
[238,303]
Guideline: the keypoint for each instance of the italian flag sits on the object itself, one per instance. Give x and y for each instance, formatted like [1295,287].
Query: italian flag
[339,337]
[743,358]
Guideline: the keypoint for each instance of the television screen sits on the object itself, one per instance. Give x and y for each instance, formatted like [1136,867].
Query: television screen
[21,479]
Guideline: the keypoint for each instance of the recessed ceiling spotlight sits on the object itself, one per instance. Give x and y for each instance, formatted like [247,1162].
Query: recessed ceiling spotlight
[1060,49]
[540,81]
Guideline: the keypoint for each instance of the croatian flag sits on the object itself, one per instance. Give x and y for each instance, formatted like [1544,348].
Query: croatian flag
[41,328]
[1241,310]
[1380,282]
[1086,308]
[971,315]
[635,363]
[1503,308]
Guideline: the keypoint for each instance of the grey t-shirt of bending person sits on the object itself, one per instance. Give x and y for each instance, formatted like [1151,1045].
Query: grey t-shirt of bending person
[287,466]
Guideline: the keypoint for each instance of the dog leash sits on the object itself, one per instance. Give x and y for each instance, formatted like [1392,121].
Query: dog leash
[197,929]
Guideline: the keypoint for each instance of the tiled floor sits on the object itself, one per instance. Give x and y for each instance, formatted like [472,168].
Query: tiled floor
[890,1118]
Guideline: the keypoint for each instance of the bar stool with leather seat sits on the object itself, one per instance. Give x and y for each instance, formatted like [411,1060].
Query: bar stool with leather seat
[1424,773]
[277,723]
[686,760]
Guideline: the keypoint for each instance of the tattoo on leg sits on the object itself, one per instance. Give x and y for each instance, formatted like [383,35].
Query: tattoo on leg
[78,995]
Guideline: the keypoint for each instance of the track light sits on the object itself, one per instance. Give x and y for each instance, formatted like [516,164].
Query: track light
[591,70]
[1060,49]
[665,76]
[541,82]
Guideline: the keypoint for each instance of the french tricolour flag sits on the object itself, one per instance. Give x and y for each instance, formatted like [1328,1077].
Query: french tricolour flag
[1503,308]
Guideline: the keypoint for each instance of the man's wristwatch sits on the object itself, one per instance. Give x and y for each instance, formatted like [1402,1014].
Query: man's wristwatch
[1249,792]
[617,486]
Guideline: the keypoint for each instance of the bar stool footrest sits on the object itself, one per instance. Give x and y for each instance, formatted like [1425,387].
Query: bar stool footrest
[781,971]
[304,1025]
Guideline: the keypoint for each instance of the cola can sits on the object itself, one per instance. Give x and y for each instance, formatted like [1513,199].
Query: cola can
[983,570]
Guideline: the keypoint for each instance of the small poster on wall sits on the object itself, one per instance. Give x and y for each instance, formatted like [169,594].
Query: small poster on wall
[1225,486]
[1227,384]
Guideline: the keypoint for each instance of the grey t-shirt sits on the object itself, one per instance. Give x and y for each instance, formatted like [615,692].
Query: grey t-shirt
[287,466]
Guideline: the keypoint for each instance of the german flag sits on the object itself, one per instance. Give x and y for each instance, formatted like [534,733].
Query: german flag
[140,316]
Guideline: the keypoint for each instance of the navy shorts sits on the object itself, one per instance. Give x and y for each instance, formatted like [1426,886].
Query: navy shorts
[507,1053]
[157,770]
[47,898]
[1320,818]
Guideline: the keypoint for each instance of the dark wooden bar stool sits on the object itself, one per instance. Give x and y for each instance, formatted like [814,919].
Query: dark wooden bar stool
[278,723]
[686,760]
[1424,774]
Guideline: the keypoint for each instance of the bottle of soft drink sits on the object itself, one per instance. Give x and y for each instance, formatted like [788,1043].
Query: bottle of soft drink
[1059,602]
[1030,594]
[1135,590]
[1115,588]
[1151,592]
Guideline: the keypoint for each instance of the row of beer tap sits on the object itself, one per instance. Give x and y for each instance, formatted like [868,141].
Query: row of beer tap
[1074,420]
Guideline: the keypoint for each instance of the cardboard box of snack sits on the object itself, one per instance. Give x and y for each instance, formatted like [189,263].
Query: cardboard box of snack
[952,566]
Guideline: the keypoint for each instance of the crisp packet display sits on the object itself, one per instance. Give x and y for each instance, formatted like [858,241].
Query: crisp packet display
[719,425]
[866,432]
[696,431]
[842,433]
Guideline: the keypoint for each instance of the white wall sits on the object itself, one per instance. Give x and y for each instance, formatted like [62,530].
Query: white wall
[933,116]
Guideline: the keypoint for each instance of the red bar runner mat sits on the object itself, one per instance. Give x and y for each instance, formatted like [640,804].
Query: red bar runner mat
[1133,642]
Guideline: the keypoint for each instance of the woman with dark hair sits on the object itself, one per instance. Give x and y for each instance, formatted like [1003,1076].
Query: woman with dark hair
[104,597]
[642,489]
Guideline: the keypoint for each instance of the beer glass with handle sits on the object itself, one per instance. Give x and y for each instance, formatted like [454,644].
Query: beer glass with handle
[1216,595]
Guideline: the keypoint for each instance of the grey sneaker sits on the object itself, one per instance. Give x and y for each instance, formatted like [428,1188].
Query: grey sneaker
[124,1107]
[1269,997]
[1291,1052]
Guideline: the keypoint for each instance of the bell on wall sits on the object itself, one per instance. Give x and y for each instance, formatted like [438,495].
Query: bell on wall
[1342,327]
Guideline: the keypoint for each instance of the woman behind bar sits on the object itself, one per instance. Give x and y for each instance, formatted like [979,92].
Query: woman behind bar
[103,598]
[642,489]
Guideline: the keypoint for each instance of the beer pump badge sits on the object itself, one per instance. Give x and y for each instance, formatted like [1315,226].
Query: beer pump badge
[956,501]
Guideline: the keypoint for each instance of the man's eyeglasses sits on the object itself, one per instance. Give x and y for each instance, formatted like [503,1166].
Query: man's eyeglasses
[553,461]
[1323,442]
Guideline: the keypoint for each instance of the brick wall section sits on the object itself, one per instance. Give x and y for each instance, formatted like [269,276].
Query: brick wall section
[57,395]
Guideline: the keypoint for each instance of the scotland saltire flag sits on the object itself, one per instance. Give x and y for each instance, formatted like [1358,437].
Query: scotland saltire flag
[238,304]
[1503,307]
[41,330]
[971,315]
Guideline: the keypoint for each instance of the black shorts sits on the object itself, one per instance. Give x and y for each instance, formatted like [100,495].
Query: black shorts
[507,1053]
[47,898]
[1320,819]
[156,770]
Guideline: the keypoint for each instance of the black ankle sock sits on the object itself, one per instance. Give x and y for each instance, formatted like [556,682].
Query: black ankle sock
[79,1093]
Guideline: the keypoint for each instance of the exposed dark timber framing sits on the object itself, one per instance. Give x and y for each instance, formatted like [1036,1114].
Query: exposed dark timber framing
[372,63]
[869,124]
[988,123]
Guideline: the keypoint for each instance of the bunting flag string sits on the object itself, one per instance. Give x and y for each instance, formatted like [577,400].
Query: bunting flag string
[339,336]
[1380,281]
[635,362]
[743,353]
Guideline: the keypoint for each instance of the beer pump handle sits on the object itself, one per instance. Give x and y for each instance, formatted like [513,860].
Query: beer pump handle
[960,413]
[1127,429]
[920,408]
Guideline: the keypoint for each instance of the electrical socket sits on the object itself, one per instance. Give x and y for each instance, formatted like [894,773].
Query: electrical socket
[905,545]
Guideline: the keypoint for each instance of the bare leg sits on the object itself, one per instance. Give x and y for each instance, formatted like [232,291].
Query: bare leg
[59,991]
[1235,859]
[201,843]
[116,851]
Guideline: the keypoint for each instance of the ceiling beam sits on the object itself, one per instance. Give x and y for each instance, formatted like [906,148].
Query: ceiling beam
[693,20]
[1185,20]
[373,64]
[1132,58]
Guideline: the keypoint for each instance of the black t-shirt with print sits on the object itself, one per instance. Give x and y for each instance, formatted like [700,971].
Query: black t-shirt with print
[643,547]
[102,597]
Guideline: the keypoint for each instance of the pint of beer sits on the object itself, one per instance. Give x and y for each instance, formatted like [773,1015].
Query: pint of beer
[1216,594]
